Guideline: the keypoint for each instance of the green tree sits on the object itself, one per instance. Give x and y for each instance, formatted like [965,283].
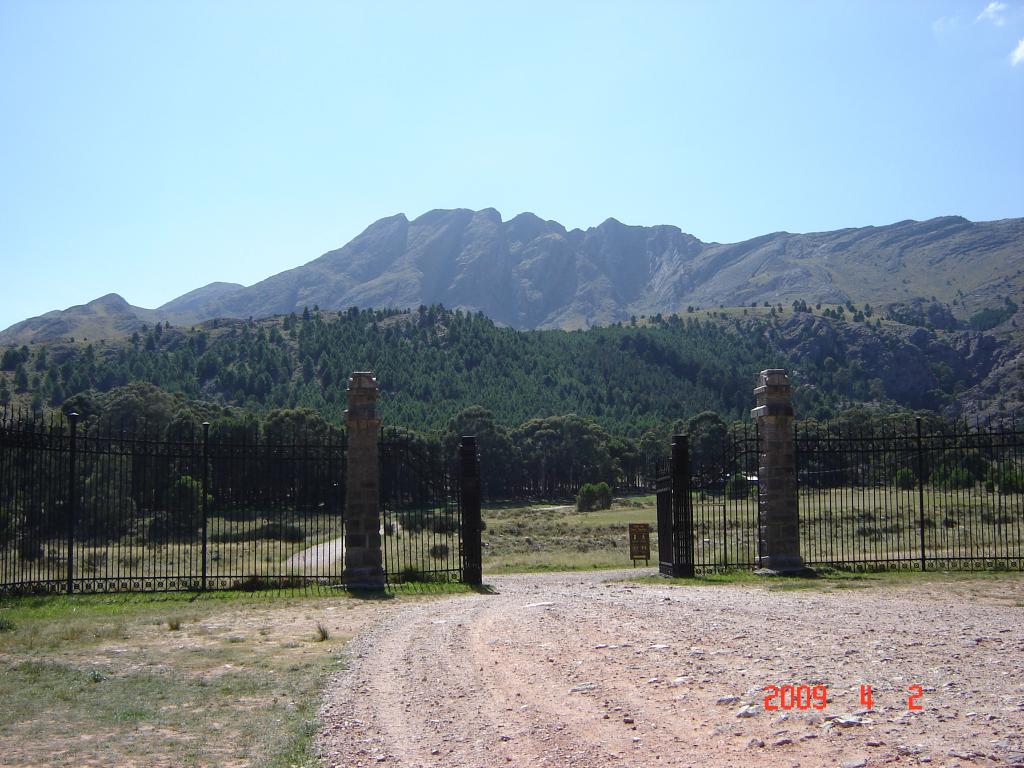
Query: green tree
[181,514]
[499,459]
[593,496]
[20,378]
[108,509]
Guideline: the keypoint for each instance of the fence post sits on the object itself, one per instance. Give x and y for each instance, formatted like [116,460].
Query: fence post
[72,500]
[206,482]
[920,490]
[778,514]
[364,557]
[682,508]
[469,493]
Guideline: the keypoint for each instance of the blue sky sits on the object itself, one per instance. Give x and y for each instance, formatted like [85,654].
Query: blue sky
[148,148]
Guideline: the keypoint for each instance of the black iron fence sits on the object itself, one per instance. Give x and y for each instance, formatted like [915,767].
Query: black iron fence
[87,508]
[724,490]
[907,497]
[422,516]
[903,497]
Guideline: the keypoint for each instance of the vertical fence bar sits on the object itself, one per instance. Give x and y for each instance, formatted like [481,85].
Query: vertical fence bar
[920,491]
[206,482]
[682,511]
[469,492]
[72,501]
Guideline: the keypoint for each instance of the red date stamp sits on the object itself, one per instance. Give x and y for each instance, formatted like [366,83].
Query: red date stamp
[816,697]
[799,696]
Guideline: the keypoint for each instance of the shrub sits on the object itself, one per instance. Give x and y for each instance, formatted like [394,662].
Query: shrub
[439,551]
[30,549]
[594,496]
[1005,479]
[107,504]
[955,478]
[992,518]
[587,498]
[280,532]
[265,532]
[11,521]
[905,480]
[182,514]
[443,524]
[737,487]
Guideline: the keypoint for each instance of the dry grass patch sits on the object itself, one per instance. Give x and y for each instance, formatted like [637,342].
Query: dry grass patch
[550,537]
[155,680]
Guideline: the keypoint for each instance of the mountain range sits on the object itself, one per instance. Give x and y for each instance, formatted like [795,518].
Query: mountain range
[530,273]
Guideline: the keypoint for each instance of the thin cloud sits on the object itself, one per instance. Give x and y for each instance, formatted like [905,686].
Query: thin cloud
[993,12]
[1018,54]
[944,26]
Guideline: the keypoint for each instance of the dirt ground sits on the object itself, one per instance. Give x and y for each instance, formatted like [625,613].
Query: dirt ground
[218,691]
[577,670]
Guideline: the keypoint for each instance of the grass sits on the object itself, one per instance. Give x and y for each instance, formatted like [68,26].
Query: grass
[551,537]
[183,679]
[837,525]
[101,679]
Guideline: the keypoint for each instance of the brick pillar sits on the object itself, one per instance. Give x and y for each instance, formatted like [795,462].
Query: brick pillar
[778,518]
[363,557]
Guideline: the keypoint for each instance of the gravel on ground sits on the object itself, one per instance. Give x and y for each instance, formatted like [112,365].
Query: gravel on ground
[585,669]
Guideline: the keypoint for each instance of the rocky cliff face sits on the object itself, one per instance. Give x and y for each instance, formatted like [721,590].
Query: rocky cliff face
[532,273]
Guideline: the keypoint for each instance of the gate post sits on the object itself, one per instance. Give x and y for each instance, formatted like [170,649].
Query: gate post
[778,515]
[364,558]
[469,500]
[682,509]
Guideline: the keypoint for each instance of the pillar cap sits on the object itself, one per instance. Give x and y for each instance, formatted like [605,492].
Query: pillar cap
[362,380]
[773,377]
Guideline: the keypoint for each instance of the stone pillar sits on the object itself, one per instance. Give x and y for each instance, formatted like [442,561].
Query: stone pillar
[778,517]
[363,556]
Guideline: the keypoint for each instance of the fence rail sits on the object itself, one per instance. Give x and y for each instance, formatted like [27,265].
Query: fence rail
[422,516]
[85,508]
[902,498]
[910,498]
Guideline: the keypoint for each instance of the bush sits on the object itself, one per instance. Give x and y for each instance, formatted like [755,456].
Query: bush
[992,518]
[281,532]
[443,523]
[737,487]
[266,532]
[108,508]
[11,522]
[956,478]
[594,496]
[30,549]
[439,551]
[182,514]
[905,480]
[1005,479]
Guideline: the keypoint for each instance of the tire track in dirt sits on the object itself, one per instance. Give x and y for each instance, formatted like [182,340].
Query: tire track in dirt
[567,670]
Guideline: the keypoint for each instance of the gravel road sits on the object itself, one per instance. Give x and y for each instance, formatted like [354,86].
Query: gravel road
[584,670]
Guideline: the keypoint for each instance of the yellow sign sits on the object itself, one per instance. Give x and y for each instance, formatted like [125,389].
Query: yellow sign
[640,541]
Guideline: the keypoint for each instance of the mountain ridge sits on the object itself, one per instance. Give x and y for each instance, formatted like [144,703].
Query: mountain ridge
[528,272]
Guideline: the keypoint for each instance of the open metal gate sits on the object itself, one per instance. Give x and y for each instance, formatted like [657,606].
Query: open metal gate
[430,515]
[675,513]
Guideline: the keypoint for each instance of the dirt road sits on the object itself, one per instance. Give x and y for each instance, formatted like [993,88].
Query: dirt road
[574,670]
